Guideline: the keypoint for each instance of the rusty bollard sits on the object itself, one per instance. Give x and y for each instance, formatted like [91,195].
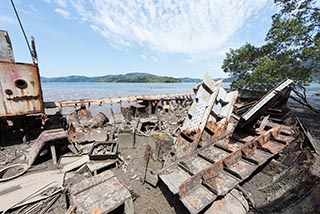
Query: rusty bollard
[147,156]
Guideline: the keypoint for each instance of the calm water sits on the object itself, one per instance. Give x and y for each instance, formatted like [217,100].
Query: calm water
[75,91]
[71,91]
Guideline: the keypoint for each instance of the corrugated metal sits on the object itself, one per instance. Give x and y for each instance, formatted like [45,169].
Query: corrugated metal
[20,89]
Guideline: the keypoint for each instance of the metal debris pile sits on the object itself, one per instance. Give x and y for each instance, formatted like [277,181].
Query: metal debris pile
[217,150]
[94,144]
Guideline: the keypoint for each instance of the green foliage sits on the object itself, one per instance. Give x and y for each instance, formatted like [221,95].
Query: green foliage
[130,78]
[138,78]
[292,50]
[240,63]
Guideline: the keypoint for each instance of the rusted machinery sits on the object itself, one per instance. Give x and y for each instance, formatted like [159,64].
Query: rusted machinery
[20,85]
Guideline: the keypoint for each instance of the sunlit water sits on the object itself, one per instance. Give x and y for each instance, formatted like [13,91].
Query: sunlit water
[83,90]
[71,91]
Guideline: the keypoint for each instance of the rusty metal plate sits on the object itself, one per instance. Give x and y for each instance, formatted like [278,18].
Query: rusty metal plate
[243,168]
[273,146]
[259,108]
[6,53]
[256,155]
[284,138]
[229,144]
[99,194]
[194,165]
[198,199]
[222,183]
[174,177]
[213,154]
[20,89]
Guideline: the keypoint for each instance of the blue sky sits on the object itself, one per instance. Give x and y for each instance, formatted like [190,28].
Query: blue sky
[163,37]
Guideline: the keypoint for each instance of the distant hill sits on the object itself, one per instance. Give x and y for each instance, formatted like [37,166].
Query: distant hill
[67,79]
[130,77]
[229,79]
[188,79]
[137,78]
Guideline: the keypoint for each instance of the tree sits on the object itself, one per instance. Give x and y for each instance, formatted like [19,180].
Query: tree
[292,50]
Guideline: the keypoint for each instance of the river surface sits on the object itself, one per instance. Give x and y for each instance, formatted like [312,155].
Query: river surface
[58,91]
[83,90]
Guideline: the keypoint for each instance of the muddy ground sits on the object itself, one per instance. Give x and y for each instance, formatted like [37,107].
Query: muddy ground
[130,172]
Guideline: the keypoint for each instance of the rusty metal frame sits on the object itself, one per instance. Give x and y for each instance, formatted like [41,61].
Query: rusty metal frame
[224,164]
[265,102]
[208,118]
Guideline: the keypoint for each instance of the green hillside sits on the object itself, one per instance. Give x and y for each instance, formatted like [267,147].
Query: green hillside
[130,77]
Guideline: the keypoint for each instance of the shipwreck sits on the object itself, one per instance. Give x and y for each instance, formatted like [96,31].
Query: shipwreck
[213,150]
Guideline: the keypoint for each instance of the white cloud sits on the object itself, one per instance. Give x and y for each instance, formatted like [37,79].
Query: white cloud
[62,12]
[61,3]
[184,27]
[143,56]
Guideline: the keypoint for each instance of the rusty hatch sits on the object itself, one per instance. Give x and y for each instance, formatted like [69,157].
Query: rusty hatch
[20,89]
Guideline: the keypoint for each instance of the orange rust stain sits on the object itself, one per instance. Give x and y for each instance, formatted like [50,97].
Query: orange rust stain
[182,189]
[96,211]
[116,186]
[220,204]
[194,202]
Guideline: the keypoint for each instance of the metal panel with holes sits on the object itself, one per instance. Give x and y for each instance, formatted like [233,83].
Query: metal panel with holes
[198,116]
[20,89]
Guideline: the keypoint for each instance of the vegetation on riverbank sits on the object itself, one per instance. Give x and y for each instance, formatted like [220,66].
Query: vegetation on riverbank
[292,50]
[129,78]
